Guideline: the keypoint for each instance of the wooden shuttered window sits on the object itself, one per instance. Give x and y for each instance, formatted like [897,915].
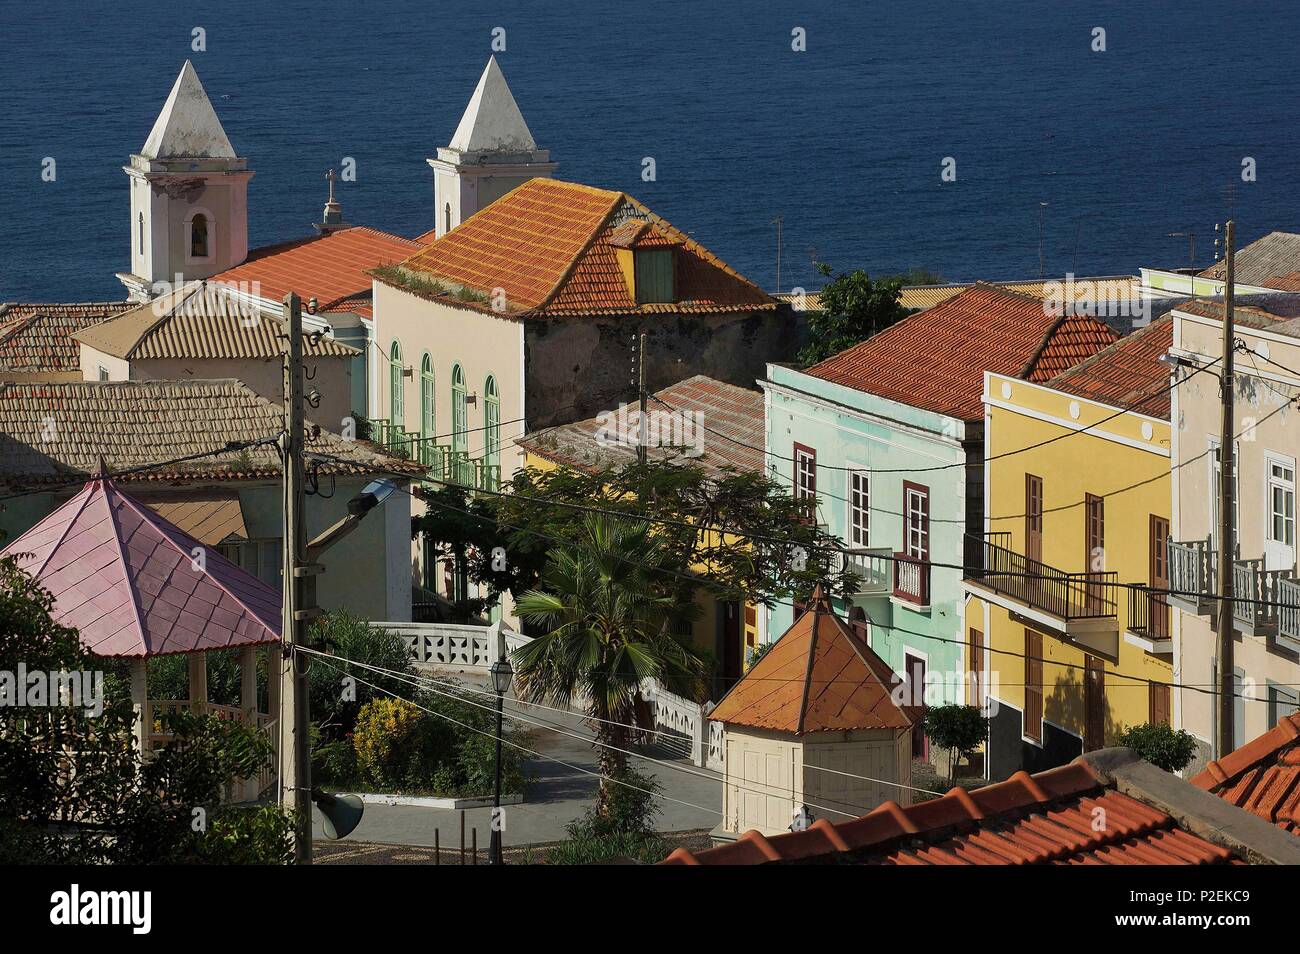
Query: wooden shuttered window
[975,660]
[1033,685]
[1160,705]
[1034,518]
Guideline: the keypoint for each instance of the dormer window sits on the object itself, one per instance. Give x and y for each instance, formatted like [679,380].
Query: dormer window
[654,275]
[647,256]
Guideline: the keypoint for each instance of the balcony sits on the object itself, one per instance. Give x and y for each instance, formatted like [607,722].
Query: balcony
[1149,619]
[1256,612]
[1071,603]
[444,463]
[911,580]
[1288,614]
[876,568]
[1193,570]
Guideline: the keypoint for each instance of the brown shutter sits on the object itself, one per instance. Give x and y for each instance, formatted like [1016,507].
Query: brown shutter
[1034,518]
[1160,704]
[975,660]
[1094,703]
[1033,685]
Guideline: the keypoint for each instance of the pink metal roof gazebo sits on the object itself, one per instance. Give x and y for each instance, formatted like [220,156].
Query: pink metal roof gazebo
[135,585]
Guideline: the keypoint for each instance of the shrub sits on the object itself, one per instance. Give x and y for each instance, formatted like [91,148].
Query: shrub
[350,637]
[387,742]
[1160,745]
[957,728]
[627,830]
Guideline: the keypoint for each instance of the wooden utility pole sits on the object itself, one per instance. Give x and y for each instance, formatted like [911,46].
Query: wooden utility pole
[1227,465]
[643,425]
[294,717]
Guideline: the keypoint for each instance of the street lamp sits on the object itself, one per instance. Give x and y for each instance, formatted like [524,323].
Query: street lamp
[502,674]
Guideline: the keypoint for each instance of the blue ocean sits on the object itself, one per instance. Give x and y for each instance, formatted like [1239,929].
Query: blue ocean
[845,141]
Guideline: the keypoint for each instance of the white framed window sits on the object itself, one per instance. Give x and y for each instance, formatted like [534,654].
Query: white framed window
[1216,466]
[1281,702]
[916,529]
[1281,500]
[859,508]
[261,558]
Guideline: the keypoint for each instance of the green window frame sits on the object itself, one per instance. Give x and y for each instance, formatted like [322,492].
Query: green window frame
[492,421]
[654,275]
[428,419]
[459,410]
[396,387]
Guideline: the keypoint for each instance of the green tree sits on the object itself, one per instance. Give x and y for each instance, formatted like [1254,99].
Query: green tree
[957,728]
[74,790]
[607,623]
[1161,745]
[853,308]
[507,540]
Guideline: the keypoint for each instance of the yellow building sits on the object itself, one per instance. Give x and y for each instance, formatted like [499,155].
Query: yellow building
[700,421]
[1064,640]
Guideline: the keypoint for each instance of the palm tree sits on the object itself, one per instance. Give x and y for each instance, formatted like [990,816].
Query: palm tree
[608,610]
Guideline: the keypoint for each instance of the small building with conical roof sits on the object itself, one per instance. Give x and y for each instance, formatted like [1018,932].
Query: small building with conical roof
[815,729]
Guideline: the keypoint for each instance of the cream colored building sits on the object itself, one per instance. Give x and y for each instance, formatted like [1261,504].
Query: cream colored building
[815,724]
[1267,383]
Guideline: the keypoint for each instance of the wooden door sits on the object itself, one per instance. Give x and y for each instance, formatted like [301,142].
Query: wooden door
[1094,703]
[1159,576]
[731,642]
[975,662]
[1034,518]
[914,667]
[1095,554]
[1033,715]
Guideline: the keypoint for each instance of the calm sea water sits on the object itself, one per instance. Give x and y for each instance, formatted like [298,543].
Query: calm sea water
[844,141]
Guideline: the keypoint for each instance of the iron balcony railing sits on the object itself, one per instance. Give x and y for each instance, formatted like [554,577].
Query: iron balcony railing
[444,463]
[912,579]
[1149,613]
[1258,592]
[1070,596]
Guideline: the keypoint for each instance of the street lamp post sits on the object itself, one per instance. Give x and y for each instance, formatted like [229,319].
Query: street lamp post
[502,674]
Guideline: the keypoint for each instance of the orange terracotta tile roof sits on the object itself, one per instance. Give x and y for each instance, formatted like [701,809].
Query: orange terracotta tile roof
[37,338]
[1048,818]
[331,268]
[915,297]
[819,676]
[550,245]
[724,409]
[936,359]
[1128,374]
[1263,776]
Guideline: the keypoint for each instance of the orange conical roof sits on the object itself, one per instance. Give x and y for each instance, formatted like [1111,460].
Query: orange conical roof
[818,677]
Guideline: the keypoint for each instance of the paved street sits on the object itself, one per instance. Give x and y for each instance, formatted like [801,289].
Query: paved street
[556,796]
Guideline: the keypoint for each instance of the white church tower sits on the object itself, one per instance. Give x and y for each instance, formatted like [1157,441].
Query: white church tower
[491,154]
[189,196]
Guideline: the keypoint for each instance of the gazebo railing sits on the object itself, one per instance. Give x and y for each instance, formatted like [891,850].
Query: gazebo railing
[265,723]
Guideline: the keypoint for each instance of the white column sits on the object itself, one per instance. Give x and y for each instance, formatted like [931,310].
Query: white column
[140,704]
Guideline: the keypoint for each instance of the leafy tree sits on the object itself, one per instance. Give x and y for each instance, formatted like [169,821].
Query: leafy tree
[916,275]
[607,628]
[624,830]
[957,728]
[853,308]
[740,562]
[74,789]
[349,637]
[1161,745]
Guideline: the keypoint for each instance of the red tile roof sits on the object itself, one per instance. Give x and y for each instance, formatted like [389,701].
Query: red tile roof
[1128,374]
[819,676]
[333,268]
[550,245]
[936,359]
[124,578]
[37,339]
[1263,776]
[1048,818]
[723,409]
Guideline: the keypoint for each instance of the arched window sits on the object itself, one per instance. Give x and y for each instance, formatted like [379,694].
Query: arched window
[199,236]
[492,421]
[396,399]
[427,425]
[141,229]
[446,217]
[459,410]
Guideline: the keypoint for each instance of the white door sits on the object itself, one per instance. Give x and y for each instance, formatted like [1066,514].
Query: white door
[1279,542]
